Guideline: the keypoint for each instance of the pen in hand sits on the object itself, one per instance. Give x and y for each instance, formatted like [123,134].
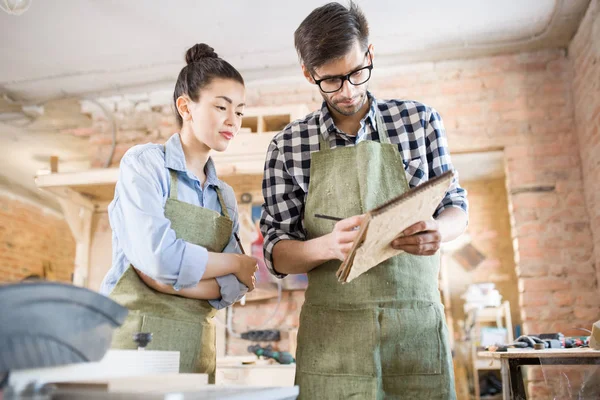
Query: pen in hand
[328,217]
[239,242]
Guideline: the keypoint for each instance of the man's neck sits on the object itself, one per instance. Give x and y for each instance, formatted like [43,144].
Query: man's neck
[350,124]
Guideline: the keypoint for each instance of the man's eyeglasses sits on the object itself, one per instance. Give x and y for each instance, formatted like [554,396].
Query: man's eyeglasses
[356,77]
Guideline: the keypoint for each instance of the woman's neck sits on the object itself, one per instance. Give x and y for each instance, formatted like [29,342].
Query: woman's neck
[196,153]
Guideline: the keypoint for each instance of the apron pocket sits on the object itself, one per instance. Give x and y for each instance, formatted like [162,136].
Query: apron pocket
[189,338]
[411,341]
[337,342]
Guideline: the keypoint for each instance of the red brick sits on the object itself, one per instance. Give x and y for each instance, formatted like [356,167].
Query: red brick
[534,200]
[535,327]
[584,282]
[543,284]
[591,314]
[545,313]
[34,237]
[583,299]
[563,298]
[531,228]
[534,299]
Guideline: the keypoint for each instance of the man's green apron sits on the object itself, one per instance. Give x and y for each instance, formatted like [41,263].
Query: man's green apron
[176,323]
[382,335]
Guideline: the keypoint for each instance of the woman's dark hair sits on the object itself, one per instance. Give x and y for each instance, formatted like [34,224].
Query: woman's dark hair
[203,65]
[329,32]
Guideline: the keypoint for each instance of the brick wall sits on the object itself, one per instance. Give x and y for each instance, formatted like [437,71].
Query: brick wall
[30,238]
[522,103]
[519,103]
[584,55]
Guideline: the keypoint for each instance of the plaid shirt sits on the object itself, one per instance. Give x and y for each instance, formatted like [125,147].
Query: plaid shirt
[415,128]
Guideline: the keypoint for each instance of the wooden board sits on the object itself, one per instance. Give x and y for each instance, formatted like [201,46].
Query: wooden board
[583,352]
[383,224]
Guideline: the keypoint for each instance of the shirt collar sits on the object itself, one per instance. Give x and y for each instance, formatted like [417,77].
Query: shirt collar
[327,126]
[175,159]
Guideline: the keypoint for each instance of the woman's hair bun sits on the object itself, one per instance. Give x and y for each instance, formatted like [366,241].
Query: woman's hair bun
[199,51]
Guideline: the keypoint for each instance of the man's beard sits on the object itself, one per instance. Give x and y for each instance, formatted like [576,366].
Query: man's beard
[346,111]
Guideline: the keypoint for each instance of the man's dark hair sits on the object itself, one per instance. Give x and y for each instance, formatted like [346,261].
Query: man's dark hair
[329,32]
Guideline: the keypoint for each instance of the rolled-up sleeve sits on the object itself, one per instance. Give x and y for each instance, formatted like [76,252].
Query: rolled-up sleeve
[145,234]
[281,217]
[438,159]
[232,290]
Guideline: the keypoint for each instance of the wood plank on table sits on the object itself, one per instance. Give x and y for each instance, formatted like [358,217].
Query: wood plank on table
[554,353]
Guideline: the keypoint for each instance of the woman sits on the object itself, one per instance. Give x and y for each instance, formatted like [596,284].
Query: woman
[174,222]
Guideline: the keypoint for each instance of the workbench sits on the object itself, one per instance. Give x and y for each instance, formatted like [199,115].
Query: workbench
[209,392]
[511,362]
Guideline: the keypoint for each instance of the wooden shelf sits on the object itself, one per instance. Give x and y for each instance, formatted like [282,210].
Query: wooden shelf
[496,317]
[96,186]
[272,118]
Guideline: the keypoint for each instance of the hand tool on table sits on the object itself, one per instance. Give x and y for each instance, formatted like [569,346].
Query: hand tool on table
[282,357]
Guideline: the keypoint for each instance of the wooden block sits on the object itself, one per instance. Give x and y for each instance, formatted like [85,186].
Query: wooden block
[595,337]
[53,164]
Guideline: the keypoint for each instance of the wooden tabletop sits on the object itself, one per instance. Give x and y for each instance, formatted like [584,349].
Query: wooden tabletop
[546,353]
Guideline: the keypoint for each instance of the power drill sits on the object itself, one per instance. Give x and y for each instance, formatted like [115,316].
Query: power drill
[282,357]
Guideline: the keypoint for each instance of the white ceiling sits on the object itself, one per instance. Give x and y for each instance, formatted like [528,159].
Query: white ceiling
[90,46]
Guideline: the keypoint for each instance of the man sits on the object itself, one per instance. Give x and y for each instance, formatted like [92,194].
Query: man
[383,335]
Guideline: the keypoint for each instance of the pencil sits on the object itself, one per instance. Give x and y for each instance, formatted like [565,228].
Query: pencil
[239,242]
[328,217]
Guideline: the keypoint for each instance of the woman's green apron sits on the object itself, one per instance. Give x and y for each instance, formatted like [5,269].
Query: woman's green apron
[176,323]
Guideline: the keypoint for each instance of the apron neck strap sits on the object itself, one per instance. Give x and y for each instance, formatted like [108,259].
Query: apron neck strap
[173,192]
[323,144]
[173,185]
[381,131]
[222,202]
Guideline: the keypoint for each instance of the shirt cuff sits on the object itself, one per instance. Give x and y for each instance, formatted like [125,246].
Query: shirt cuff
[193,265]
[441,208]
[232,290]
[268,252]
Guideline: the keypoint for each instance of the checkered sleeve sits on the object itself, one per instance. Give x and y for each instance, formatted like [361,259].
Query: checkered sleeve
[438,158]
[281,216]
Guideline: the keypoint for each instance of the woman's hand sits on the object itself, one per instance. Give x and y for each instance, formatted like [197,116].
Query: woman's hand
[246,268]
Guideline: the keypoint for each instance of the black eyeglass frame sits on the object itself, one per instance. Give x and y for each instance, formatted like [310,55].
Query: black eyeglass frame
[346,77]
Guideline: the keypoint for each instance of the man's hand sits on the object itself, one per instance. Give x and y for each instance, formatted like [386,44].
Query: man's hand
[342,237]
[421,239]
